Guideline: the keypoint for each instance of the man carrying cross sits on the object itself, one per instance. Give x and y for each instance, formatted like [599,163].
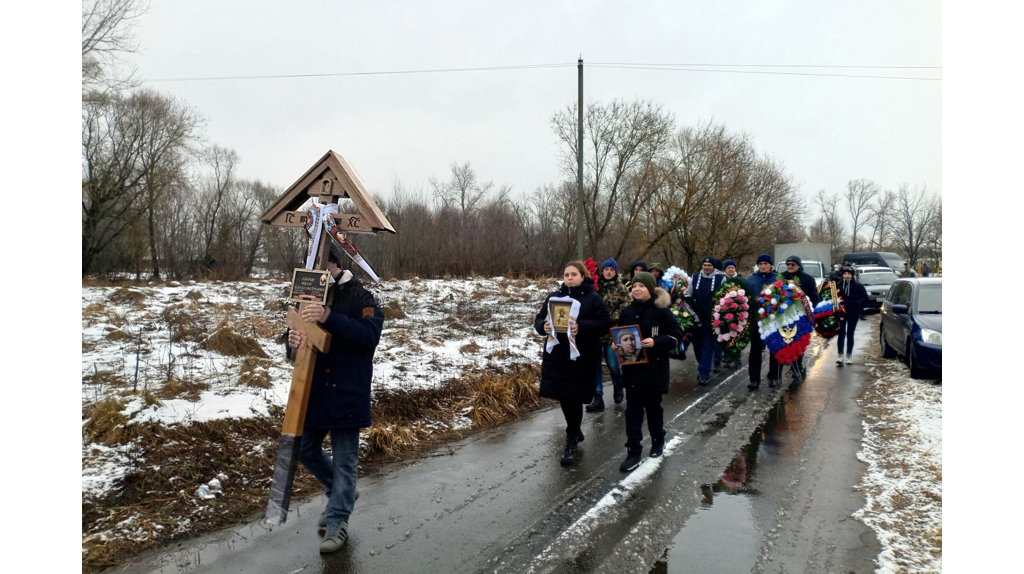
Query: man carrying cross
[339,397]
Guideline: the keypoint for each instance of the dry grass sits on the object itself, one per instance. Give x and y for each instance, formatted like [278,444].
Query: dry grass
[177,389]
[469,348]
[117,335]
[104,422]
[254,373]
[227,342]
[108,378]
[174,460]
[393,310]
[181,319]
[126,296]
[194,295]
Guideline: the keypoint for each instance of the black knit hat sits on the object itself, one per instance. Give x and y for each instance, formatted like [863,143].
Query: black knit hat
[795,259]
[765,257]
[709,259]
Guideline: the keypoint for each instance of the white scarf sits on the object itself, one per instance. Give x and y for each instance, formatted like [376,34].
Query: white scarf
[574,313]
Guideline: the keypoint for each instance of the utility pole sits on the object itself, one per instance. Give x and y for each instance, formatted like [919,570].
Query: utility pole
[579,167]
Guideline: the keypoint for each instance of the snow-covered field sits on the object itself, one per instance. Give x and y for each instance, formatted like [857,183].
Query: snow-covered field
[147,347]
[902,447]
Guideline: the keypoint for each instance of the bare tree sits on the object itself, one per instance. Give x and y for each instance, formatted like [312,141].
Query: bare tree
[463,191]
[913,220]
[133,150]
[106,36]
[624,140]
[214,195]
[859,193]
[830,228]
[881,216]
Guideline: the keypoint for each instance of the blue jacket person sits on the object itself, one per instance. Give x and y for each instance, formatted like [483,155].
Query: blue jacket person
[339,399]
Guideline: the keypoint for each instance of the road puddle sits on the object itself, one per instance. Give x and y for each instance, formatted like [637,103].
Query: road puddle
[726,532]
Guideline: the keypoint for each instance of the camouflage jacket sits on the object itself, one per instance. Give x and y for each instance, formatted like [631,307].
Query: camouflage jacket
[616,297]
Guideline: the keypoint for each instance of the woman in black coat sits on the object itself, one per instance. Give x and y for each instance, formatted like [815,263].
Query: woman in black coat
[646,382]
[855,296]
[565,376]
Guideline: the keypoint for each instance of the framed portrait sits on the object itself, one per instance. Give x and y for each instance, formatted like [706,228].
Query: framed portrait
[560,315]
[627,338]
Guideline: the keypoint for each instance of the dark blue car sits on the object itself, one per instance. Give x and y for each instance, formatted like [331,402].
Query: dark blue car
[911,324]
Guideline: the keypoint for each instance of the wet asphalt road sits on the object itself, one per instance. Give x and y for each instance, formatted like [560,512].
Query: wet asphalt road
[750,482]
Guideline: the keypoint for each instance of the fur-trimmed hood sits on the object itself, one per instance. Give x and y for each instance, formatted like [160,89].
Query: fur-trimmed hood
[661,298]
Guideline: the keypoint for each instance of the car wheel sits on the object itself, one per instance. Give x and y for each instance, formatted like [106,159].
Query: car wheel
[887,351]
[916,372]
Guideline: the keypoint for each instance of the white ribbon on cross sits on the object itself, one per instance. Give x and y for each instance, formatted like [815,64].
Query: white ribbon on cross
[319,215]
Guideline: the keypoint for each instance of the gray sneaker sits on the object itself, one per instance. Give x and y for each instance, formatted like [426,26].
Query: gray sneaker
[849,360]
[322,523]
[337,535]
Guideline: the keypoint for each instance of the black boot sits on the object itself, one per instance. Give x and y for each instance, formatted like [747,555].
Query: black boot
[595,405]
[619,394]
[772,383]
[633,459]
[569,454]
[703,381]
[754,385]
[657,447]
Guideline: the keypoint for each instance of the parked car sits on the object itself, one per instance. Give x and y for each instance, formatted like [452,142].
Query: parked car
[882,258]
[876,281]
[860,270]
[911,324]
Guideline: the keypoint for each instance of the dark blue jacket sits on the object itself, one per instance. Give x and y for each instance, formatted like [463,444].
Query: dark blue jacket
[340,394]
[561,378]
[757,281]
[657,322]
[701,294]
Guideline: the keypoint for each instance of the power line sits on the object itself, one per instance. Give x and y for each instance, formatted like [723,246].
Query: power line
[767,66]
[667,69]
[375,73]
[611,65]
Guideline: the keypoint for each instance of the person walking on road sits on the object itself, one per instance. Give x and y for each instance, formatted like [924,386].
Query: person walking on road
[700,295]
[339,398]
[855,296]
[795,272]
[757,280]
[571,357]
[615,297]
[646,382]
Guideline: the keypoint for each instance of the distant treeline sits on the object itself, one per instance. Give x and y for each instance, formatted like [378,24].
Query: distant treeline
[159,203]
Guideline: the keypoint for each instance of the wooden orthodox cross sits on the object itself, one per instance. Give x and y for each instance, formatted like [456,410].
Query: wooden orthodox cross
[329,180]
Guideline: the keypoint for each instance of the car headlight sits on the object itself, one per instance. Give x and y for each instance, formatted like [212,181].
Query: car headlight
[931,337]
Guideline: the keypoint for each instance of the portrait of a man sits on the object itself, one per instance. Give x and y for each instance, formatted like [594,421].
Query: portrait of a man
[627,342]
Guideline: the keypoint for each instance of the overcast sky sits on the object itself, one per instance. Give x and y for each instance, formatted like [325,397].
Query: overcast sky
[826,130]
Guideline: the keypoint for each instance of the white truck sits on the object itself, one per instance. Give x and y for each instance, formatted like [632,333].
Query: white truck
[816,258]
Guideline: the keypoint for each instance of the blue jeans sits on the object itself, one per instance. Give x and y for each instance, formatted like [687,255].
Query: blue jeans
[612,359]
[717,356]
[338,475]
[707,351]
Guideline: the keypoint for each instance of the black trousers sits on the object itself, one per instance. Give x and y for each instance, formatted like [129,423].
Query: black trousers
[573,411]
[846,329]
[640,400]
[754,360]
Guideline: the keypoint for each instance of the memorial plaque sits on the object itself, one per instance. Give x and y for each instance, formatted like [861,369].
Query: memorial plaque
[309,285]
